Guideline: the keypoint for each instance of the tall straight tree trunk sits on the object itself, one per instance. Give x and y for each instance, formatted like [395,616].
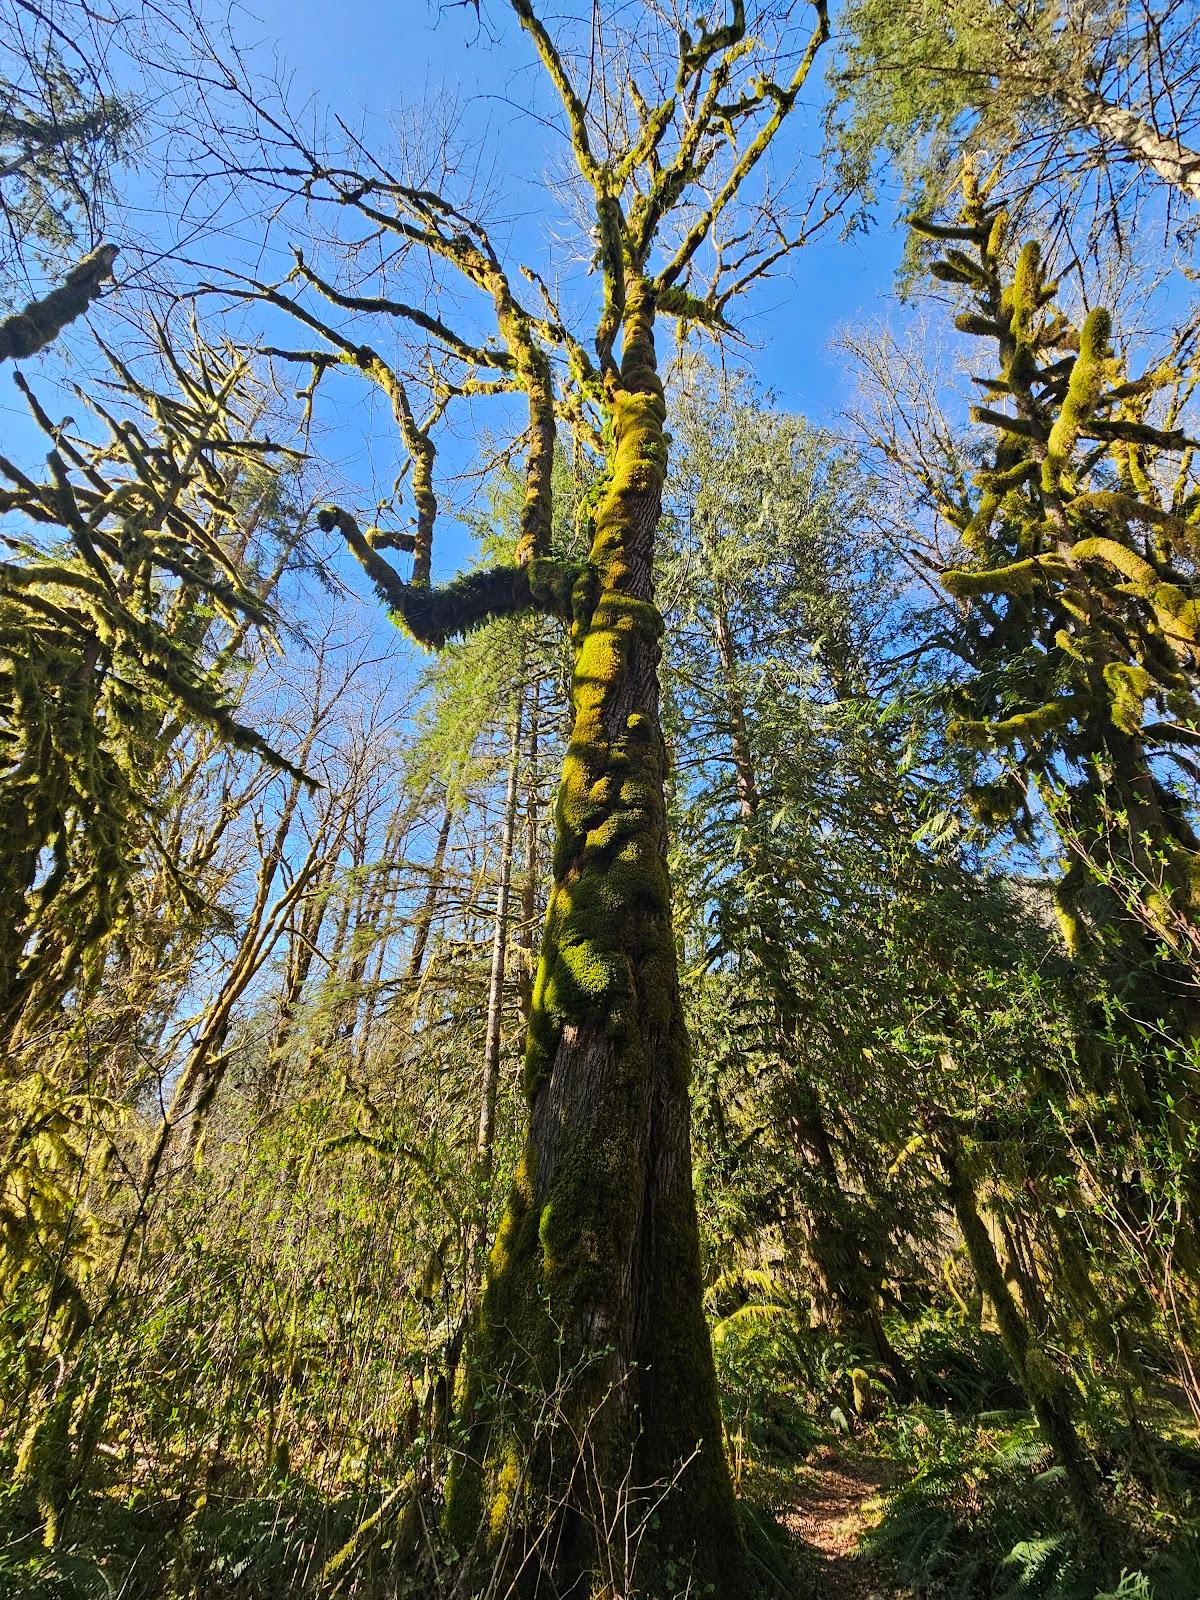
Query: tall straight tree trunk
[593,1386]
[1045,1387]
[495,1011]
[424,918]
[301,955]
[490,1084]
[735,706]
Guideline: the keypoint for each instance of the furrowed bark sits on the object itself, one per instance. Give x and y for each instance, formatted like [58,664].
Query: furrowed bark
[591,1327]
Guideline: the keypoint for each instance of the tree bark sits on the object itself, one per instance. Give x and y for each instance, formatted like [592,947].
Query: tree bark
[1173,162]
[490,1084]
[592,1385]
[1044,1385]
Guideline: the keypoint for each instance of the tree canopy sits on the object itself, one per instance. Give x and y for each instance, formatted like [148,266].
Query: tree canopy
[598,757]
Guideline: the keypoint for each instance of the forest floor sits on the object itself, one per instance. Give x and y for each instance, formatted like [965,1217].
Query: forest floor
[835,1500]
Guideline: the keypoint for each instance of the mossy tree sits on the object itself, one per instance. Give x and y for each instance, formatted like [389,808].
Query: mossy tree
[1078,626]
[1049,1391]
[1078,601]
[126,592]
[119,560]
[591,1371]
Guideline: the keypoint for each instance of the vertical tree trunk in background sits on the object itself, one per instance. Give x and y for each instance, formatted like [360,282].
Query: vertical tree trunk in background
[425,916]
[495,1011]
[735,706]
[592,1324]
[847,1281]
[302,952]
[527,935]
[490,1083]
[385,924]
[1044,1385]
[204,1069]
[349,976]
[358,991]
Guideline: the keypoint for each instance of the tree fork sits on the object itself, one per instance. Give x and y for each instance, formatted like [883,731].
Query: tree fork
[592,1382]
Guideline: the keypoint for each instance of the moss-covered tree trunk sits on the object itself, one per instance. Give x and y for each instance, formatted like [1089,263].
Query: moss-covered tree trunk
[1045,1386]
[591,1377]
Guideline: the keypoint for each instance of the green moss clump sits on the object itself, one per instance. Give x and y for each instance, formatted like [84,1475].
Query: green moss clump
[1129,687]
[1083,393]
[554,585]
[1020,577]
[39,323]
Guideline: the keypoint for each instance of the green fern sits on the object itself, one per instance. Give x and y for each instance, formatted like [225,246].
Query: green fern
[1032,1566]
[1133,1586]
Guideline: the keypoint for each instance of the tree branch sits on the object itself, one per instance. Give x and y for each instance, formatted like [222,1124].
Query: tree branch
[436,614]
[40,323]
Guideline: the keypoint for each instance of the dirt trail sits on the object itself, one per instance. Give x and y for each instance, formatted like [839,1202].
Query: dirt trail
[832,1506]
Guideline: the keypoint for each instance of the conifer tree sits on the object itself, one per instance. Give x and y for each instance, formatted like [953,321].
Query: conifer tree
[1079,597]
[1044,89]
[1078,626]
[772,662]
[64,129]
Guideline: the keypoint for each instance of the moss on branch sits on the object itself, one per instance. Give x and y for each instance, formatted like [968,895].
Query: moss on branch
[41,321]
[436,613]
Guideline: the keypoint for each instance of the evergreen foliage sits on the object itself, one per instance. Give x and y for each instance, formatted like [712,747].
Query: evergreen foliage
[64,129]
[671,1074]
[114,558]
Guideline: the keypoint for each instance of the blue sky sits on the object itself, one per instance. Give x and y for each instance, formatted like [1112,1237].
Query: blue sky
[372,63]
[370,60]
[351,50]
